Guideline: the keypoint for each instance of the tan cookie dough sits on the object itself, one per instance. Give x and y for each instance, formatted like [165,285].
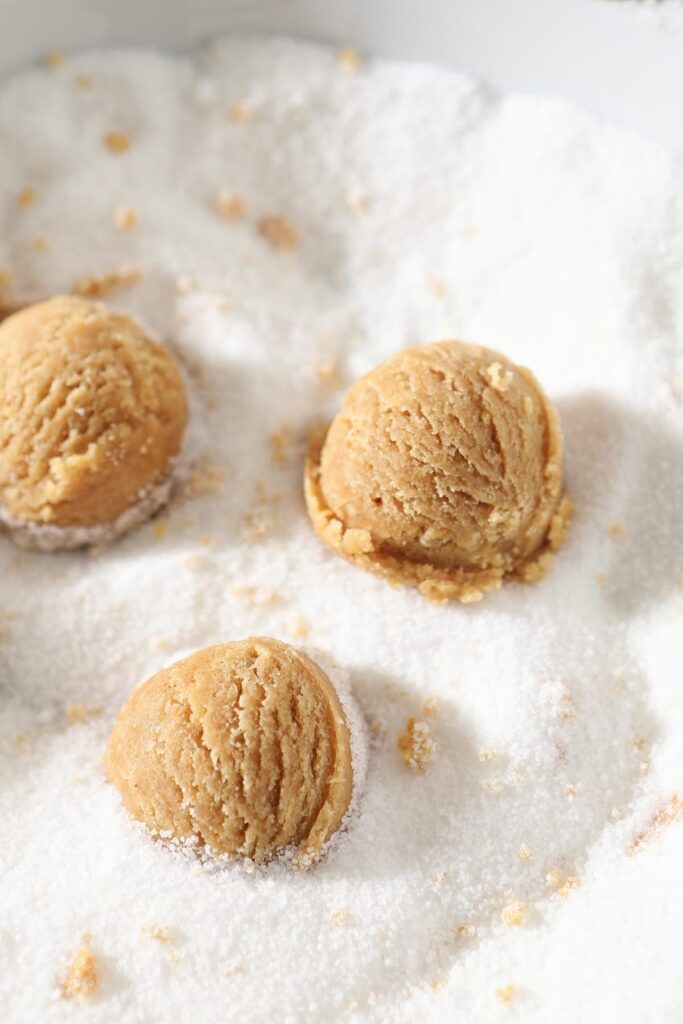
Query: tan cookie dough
[443,470]
[92,414]
[243,748]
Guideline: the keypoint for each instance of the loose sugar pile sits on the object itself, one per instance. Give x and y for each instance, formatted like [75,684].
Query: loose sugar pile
[285,217]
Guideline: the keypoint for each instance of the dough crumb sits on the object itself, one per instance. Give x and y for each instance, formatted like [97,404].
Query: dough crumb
[415,744]
[562,884]
[341,916]
[431,708]
[256,597]
[233,968]
[205,479]
[357,201]
[107,284]
[20,744]
[27,197]
[125,218]
[278,232]
[79,714]
[299,628]
[507,993]
[117,142]
[280,447]
[160,529]
[53,59]
[241,113]
[492,784]
[617,531]
[82,978]
[349,59]
[376,729]
[667,814]
[261,522]
[158,934]
[328,372]
[193,563]
[525,853]
[231,206]
[513,913]
[257,526]
[84,81]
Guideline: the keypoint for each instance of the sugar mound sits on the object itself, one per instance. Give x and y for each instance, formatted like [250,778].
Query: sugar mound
[422,207]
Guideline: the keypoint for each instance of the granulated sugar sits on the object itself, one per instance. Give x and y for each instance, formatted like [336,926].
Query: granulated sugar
[533,866]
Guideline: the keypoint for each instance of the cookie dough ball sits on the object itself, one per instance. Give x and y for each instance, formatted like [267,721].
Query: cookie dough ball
[243,749]
[443,469]
[92,414]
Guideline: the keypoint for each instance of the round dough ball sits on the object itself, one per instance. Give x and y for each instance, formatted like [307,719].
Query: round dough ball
[243,748]
[92,414]
[443,469]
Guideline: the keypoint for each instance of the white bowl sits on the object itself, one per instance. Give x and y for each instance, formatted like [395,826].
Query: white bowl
[619,58]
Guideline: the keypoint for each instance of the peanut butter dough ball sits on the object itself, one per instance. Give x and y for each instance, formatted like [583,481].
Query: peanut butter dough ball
[443,469]
[92,414]
[242,748]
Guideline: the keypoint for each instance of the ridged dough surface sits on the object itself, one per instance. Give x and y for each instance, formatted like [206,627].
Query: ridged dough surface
[92,412]
[243,747]
[443,468]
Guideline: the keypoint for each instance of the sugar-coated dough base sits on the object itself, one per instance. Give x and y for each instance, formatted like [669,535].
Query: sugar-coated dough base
[242,748]
[92,414]
[47,537]
[443,470]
